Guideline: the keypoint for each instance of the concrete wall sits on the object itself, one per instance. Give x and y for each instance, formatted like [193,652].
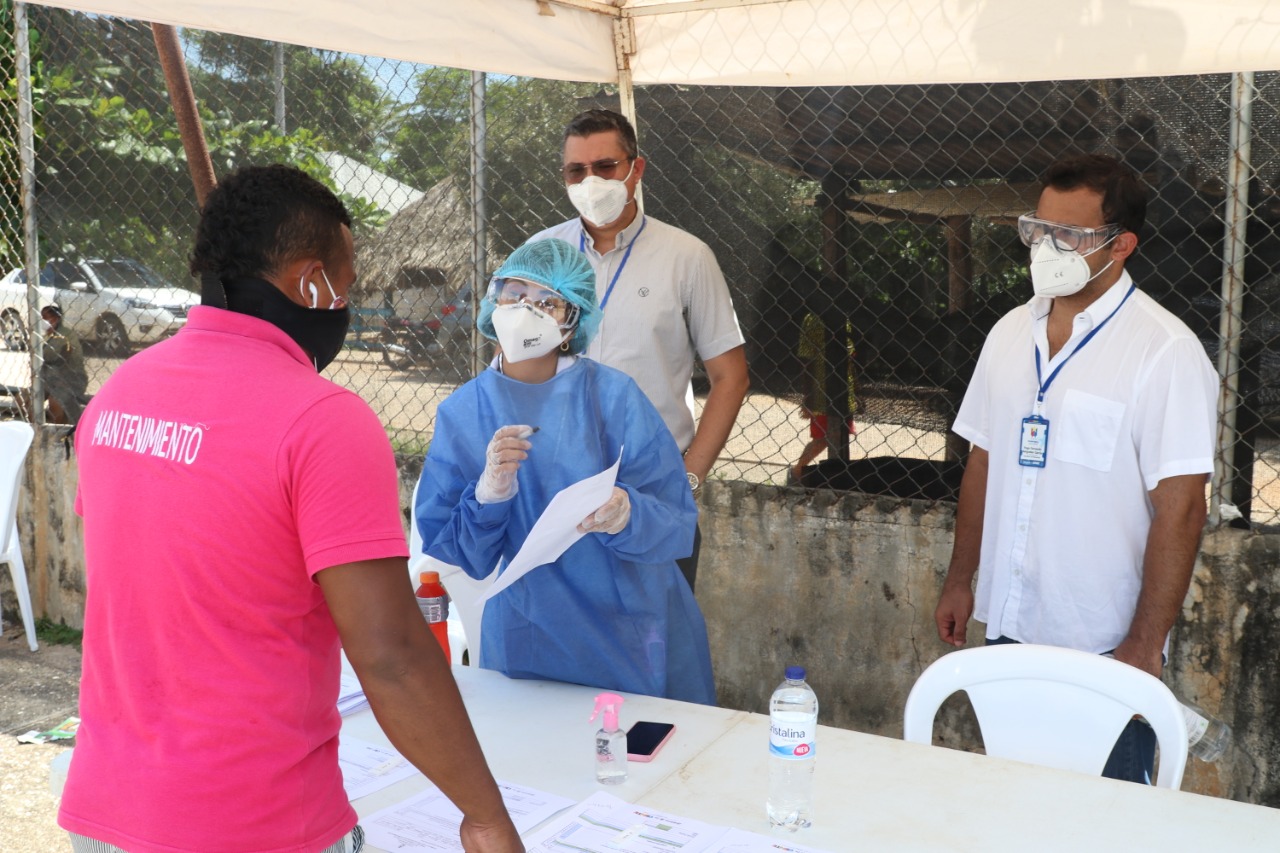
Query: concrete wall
[845,584]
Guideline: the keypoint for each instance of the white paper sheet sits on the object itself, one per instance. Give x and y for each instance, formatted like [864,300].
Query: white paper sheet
[557,528]
[602,823]
[367,767]
[350,693]
[738,841]
[429,822]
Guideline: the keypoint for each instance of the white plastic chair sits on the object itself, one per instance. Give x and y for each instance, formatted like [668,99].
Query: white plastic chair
[15,441]
[466,605]
[1051,706]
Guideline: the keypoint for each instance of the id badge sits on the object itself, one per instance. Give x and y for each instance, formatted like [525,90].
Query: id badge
[1035,442]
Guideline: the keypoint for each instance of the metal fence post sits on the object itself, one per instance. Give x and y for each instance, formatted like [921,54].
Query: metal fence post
[31,247]
[1231,322]
[479,232]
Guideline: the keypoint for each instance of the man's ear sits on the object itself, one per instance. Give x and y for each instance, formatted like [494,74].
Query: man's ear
[1125,244]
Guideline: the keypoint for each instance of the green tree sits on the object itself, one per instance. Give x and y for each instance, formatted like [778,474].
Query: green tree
[329,93]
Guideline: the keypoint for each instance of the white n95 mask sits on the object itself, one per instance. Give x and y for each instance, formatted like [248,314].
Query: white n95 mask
[1058,273]
[599,201]
[525,332]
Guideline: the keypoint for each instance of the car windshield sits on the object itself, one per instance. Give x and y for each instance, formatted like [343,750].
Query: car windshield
[124,273]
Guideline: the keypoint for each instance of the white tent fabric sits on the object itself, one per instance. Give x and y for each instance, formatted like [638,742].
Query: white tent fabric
[761,42]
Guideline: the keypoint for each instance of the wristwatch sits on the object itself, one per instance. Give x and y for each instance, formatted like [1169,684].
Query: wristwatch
[694,482]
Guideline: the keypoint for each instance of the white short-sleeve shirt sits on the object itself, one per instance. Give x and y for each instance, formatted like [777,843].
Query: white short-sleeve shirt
[669,303]
[1062,545]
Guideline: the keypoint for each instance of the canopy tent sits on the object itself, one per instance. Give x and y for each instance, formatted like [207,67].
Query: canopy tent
[758,42]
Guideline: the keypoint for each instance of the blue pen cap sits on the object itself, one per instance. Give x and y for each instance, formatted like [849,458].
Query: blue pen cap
[795,673]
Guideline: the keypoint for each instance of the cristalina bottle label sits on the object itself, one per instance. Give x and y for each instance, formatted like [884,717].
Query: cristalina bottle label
[792,740]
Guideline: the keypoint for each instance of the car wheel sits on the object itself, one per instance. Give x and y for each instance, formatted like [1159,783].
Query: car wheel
[112,338]
[12,331]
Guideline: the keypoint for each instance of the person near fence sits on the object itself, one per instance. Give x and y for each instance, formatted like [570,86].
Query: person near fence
[62,371]
[612,611]
[813,355]
[661,291]
[1092,418]
[241,517]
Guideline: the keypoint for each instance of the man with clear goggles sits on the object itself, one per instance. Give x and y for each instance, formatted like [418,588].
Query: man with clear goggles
[1066,238]
[1092,415]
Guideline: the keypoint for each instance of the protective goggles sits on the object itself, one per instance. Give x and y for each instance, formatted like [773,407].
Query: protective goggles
[513,291]
[1066,238]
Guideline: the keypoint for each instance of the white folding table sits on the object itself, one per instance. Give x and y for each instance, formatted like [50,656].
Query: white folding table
[871,793]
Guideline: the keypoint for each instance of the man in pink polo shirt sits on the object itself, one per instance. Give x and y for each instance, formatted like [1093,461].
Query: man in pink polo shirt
[241,518]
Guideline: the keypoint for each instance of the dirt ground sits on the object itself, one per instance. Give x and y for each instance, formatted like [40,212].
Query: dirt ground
[38,690]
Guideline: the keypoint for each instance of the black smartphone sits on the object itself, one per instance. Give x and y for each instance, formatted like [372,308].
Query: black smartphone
[645,739]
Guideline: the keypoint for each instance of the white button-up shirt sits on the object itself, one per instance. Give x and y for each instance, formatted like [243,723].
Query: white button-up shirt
[669,303]
[1062,545]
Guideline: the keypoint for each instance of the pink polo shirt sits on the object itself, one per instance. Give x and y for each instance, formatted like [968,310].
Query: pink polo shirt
[218,475]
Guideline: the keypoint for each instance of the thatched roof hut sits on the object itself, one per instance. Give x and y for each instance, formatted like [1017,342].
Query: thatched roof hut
[422,256]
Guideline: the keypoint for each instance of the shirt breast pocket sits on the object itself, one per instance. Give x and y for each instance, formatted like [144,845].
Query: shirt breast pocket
[1086,430]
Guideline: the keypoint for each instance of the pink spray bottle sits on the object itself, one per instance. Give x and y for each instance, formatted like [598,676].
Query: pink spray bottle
[611,741]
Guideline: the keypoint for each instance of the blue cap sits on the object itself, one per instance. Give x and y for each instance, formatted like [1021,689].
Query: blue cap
[795,673]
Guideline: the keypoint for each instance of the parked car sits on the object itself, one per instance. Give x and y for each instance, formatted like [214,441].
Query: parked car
[417,335]
[115,304]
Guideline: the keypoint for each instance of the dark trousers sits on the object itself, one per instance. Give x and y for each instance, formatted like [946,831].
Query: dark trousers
[689,565]
[1133,758]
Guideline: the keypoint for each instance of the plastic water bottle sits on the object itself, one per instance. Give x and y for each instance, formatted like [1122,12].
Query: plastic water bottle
[1207,736]
[433,601]
[793,731]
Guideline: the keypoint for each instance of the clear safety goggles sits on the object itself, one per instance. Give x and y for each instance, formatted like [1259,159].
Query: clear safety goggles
[514,291]
[1066,238]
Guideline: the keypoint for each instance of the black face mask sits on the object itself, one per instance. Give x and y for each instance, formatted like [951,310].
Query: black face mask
[319,331]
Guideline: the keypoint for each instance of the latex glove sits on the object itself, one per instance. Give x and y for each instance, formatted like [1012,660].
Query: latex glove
[611,517]
[507,449]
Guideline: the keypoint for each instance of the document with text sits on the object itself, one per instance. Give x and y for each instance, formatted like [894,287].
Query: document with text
[557,528]
[367,767]
[602,823]
[429,822]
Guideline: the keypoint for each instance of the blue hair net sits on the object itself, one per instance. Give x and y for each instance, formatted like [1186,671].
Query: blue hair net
[557,265]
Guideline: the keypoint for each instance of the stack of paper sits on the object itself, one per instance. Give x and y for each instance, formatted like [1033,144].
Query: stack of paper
[603,823]
[351,695]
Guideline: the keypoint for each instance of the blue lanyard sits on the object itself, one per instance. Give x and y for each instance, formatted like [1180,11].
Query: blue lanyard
[582,247]
[1044,386]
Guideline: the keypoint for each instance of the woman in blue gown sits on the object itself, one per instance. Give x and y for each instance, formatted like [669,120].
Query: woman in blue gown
[613,611]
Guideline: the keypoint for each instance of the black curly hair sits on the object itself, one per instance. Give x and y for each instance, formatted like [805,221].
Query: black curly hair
[260,218]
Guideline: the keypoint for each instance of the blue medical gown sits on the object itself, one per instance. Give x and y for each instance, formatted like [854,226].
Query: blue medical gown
[613,611]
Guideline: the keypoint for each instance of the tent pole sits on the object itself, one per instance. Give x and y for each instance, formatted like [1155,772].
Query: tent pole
[1231,321]
[184,110]
[624,47]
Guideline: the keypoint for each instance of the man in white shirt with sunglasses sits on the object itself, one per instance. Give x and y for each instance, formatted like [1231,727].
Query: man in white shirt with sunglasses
[661,291]
[1092,414]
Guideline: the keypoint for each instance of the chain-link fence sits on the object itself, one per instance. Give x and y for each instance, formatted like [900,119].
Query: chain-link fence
[866,232]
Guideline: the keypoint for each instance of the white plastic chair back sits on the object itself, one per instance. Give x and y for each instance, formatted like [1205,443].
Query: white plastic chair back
[466,605]
[15,441]
[1051,706]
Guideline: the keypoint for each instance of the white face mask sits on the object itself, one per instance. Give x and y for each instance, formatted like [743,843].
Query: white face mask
[525,332]
[45,326]
[1057,273]
[599,201]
